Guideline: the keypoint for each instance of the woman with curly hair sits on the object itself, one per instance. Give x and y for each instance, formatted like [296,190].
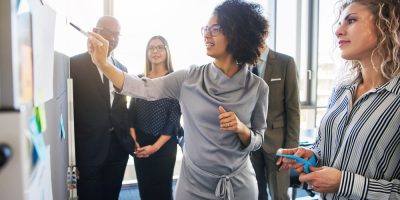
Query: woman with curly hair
[224,106]
[358,144]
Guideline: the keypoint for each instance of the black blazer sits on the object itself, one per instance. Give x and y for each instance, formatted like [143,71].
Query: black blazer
[95,119]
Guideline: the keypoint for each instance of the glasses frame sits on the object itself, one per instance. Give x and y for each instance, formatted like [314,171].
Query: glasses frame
[106,32]
[212,30]
[159,48]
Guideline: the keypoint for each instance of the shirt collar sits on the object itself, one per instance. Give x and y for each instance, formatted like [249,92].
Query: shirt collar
[392,86]
[239,77]
[264,55]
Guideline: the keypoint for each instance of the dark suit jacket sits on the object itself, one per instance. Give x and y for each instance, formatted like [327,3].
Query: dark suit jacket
[283,118]
[95,119]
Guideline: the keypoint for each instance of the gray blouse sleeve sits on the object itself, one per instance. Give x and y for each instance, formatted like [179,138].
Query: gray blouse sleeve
[259,120]
[168,86]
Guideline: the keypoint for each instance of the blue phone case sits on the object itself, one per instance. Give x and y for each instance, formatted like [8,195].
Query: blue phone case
[307,163]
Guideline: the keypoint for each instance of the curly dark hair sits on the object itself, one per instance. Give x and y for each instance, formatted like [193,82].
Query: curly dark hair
[245,27]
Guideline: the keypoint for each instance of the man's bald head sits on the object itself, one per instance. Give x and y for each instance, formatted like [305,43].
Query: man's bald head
[106,21]
[109,28]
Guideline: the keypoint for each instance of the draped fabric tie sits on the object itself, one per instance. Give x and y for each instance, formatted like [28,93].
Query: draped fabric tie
[224,189]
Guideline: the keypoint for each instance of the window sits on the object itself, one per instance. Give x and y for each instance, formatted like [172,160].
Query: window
[178,21]
[326,66]
[140,20]
[293,35]
[68,40]
[304,31]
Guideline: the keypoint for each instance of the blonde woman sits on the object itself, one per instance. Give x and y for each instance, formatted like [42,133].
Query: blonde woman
[358,145]
[155,125]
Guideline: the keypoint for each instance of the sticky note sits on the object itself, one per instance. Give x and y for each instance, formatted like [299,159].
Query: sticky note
[62,129]
[40,112]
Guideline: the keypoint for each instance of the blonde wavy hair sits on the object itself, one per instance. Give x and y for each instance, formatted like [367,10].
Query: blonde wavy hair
[387,21]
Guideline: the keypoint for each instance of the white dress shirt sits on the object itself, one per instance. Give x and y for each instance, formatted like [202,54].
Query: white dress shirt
[111,86]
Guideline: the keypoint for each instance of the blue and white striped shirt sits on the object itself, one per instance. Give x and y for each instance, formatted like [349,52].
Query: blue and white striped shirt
[362,139]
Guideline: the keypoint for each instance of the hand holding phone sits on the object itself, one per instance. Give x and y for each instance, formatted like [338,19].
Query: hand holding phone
[306,163]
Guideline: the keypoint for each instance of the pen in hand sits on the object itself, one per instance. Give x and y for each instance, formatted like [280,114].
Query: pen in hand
[84,32]
[79,29]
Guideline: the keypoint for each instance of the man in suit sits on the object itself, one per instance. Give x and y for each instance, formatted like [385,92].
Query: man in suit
[283,121]
[102,137]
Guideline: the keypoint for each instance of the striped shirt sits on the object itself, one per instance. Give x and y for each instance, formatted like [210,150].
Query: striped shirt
[362,140]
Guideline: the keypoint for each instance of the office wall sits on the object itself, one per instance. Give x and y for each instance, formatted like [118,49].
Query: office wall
[19,178]
[55,108]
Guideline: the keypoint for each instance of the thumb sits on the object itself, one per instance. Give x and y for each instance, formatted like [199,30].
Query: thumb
[140,148]
[221,109]
[305,177]
[314,169]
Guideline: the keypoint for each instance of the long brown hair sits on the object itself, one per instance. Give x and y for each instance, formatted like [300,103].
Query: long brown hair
[168,61]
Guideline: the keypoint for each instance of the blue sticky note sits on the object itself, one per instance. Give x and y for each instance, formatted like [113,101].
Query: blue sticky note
[62,129]
[39,147]
[34,125]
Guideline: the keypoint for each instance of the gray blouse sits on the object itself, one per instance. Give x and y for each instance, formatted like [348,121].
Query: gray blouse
[200,90]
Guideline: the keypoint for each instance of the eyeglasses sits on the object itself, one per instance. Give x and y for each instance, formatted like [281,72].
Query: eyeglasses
[158,48]
[105,32]
[213,30]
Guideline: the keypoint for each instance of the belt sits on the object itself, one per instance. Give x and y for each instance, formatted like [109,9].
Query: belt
[224,187]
